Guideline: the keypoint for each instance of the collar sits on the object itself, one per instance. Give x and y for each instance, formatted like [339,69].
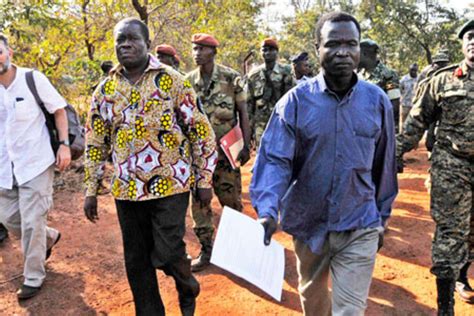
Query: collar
[153,64]
[214,76]
[324,87]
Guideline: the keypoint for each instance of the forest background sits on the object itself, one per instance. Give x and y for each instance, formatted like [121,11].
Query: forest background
[68,39]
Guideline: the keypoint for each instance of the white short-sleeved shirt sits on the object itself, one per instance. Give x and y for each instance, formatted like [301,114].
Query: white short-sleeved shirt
[25,149]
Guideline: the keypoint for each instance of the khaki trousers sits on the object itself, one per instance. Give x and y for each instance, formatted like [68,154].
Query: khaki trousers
[23,210]
[348,258]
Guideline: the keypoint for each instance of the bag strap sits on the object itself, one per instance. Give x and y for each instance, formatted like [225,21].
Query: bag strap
[30,82]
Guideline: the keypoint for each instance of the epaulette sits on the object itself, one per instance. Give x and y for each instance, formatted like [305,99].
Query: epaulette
[256,70]
[447,68]
[228,72]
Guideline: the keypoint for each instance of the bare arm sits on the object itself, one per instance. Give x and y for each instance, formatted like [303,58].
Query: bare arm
[63,156]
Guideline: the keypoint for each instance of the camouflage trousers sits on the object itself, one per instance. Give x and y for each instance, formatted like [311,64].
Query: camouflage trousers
[452,180]
[227,185]
[259,129]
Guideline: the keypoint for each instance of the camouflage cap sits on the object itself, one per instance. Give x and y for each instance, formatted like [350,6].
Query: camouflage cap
[440,57]
[369,43]
[466,27]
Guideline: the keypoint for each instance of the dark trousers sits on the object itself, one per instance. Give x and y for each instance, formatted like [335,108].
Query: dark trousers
[152,233]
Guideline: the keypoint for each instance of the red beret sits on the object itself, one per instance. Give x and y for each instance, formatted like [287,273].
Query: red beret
[205,40]
[271,42]
[165,49]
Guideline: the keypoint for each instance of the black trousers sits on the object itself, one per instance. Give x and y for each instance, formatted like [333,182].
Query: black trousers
[152,233]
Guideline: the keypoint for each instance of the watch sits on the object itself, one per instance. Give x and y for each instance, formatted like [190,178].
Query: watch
[65,142]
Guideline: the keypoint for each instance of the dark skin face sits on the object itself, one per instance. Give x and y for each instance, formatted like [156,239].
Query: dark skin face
[302,68]
[203,55]
[131,47]
[339,53]
[413,71]
[269,54]
[368,57]
[468,47]
[165,59]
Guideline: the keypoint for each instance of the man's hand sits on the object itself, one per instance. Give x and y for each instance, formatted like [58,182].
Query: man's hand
[63,157]
[204,196]
[400,165]
[244,155]
[90,208]
[270,227]
[381,236]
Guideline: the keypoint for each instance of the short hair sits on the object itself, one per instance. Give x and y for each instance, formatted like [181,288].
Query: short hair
[143,26]
[336,16]
[4,39]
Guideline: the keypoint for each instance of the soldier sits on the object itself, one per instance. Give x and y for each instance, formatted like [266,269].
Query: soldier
[445,97]
[266,84]
[373,70]
[440,60]
[301,68]
[165,54]
[223,99]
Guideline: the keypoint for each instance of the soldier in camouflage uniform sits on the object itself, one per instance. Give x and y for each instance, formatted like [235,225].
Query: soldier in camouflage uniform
[448,98]
[371,69]
[266,84]
[223,99]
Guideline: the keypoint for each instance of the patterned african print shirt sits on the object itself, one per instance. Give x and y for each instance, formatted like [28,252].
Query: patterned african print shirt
[385,78]
[156,132]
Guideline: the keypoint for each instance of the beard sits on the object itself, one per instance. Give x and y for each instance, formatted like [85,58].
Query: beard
[5,66]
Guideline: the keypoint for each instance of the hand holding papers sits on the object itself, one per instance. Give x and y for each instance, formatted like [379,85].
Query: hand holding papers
[239,249]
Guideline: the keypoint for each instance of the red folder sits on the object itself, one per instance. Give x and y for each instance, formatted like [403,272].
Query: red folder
[232,143]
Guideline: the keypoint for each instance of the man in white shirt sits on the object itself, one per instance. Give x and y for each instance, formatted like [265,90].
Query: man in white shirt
[407,89]
[27,164]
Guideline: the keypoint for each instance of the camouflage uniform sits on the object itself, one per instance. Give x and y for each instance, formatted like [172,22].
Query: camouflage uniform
[219,101]
[387,79]
[447,97]
[262,95]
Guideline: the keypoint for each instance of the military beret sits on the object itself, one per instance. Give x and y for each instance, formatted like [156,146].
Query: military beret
[270,42]
[205,40]
[165,49]
[439,57]
[300,57]
[466,27]
[369,43]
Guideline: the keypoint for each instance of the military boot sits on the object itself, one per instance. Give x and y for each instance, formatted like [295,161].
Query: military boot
[445,289]
[204,259]
[3,233]
[463,288]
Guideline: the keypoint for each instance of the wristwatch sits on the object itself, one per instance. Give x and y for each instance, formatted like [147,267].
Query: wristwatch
[65,142]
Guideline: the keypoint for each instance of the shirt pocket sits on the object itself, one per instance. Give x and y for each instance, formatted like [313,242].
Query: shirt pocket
[224,107]
[25,111]
[455,106]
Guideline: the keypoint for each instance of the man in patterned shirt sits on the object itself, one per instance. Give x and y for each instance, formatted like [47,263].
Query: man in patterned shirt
[223,98]
[147,117]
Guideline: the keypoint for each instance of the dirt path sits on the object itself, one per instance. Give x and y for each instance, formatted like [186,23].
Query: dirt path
[86,274]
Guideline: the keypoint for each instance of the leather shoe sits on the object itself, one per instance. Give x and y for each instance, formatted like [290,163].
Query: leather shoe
[465,292]
[26,292]
[201,262]
[50,250]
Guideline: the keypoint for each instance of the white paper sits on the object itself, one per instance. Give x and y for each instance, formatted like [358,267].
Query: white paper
[239,249]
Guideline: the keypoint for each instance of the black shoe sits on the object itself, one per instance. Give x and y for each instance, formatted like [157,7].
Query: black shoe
[26,292]
[463,288]
[50,250]
[3,233]
[201,262]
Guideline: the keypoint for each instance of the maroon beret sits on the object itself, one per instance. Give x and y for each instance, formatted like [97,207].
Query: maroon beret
[165,49]
[271,42]
[205,40]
